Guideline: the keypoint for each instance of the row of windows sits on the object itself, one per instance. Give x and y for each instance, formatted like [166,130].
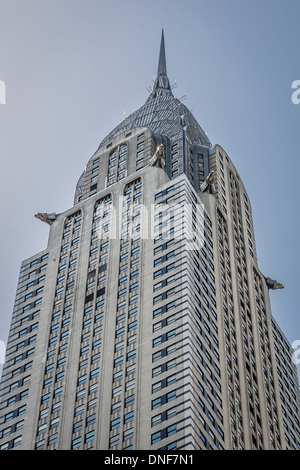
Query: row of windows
[164,433]
[245,308]
[230,333]
[54,373]
[117,164]
[246,322]
[24,322]
[92,329]
[203,280]
[126,328]
[171,333]
[266,357]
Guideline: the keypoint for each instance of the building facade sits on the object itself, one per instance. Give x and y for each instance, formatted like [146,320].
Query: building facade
[146,322]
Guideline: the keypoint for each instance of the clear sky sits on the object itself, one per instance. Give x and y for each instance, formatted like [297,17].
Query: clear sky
[74,68]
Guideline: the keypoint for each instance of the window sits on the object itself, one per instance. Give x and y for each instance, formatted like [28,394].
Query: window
[134,286]
[128,434]
[54,423]
[171,430]
[133,312]
[157,274]
[124,257]
[157,341]
[84,350]
[117,391]
[131,340]
[115,423]
[134,274]
[128,417]
[94,373]
[157,312]
[170,255]
[170,267]
[170,292]
[92,404]
[133,299]
[82,379]
[123,280]
[52,439]
[60,376]
[172,379]
[132,325]
[170,306]
[156,437]
[76,443]
[89,436]
[157,299]
[131,355]
[158,261]
[130,385]
[93,251]
[156,403]
[116,407]
[120,332]
[58,392]
[114,441]
[118,361]
[118,376]
[121,318]
[45,398]
[122,292]
[42,429]
[157,286]
[130,370]
[157,326]
[156,420]
[171,396]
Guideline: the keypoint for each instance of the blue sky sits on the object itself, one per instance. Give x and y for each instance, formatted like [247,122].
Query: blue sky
[74,68]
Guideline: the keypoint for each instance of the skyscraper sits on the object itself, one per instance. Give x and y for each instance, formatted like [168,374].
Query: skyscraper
[146,322]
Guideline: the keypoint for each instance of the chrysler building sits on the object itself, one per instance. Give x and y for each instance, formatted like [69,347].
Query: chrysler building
[145,324]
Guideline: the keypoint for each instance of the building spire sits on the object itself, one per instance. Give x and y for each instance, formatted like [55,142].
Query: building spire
[162,64]
[162,84]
